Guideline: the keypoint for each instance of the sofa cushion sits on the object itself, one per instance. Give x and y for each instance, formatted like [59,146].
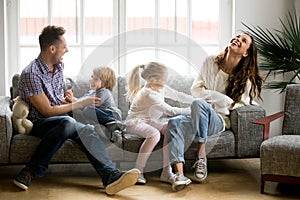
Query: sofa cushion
[280,155]
[181,83]
[218,145]
[23,147]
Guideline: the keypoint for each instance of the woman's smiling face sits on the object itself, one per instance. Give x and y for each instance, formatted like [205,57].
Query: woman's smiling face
[240,44]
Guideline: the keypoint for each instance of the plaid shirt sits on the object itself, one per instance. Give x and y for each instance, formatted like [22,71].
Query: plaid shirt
[36,79]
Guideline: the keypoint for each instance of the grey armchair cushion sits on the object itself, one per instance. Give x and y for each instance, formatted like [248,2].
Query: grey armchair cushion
[280,155]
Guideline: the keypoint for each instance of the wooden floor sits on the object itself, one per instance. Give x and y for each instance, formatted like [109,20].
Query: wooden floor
[227,179]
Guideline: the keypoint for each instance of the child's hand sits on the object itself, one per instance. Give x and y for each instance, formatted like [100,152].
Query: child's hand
[69,98]
[90,101]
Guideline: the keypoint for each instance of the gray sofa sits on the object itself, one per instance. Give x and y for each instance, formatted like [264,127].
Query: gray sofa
[242,140]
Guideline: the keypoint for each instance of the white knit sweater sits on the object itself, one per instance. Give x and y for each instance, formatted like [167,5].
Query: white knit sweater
[210,85]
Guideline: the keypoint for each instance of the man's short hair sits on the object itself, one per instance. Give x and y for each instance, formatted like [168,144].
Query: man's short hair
[50,36]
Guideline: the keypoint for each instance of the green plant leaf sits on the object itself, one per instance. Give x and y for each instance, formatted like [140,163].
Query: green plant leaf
[278,50]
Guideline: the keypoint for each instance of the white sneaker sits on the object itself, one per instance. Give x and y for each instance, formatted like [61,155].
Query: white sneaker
[200,172]
[178,181]
[141,180]
[167,178]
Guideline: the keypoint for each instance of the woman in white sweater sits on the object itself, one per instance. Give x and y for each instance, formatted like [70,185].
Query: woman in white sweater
[147,106]
[225,81]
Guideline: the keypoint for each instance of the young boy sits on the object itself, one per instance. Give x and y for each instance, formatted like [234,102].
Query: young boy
[102,82]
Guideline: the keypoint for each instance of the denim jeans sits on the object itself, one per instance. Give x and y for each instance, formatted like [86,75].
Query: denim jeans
[101,116]
[182,130]
[54,131]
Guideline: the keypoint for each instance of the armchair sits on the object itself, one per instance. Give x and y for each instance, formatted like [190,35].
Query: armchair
[280,155]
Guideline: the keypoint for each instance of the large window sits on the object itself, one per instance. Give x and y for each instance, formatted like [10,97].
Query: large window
[119,33]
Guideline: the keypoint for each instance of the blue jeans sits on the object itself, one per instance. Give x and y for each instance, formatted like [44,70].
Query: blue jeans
[101,116]
[54,131]
[182,130]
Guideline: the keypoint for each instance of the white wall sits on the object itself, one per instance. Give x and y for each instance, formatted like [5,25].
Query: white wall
[3,78]
[266,14]
[297,7]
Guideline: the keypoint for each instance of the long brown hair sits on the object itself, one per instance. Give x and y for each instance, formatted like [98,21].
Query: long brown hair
[246,69]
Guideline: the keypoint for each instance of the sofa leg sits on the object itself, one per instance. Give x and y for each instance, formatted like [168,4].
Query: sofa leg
[262,186]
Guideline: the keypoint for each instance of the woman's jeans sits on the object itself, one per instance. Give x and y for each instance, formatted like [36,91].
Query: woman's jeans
[101,116]
[54,131]
[182,130]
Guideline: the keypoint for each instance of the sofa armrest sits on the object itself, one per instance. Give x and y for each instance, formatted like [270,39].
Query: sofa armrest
[6,129]
[265,121]
[248,136]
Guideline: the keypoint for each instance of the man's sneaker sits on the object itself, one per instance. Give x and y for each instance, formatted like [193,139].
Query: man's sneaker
[115,125]
[178,181]
[122,180]
[23,179]
[200,172]
[141,180]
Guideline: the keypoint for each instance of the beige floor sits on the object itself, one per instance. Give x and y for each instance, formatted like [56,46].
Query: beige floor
[227,179]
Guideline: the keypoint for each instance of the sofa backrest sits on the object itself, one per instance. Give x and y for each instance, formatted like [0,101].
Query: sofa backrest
[291,125]
[14,86]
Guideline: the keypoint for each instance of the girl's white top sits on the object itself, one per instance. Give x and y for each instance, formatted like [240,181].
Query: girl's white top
[150,105]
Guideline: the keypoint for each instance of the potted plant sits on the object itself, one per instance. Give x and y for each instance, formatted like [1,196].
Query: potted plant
[279,50]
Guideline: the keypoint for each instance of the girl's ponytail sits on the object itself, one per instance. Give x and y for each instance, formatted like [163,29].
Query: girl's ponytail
[134,82]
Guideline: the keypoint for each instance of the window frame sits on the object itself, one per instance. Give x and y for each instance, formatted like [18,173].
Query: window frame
[119,25]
